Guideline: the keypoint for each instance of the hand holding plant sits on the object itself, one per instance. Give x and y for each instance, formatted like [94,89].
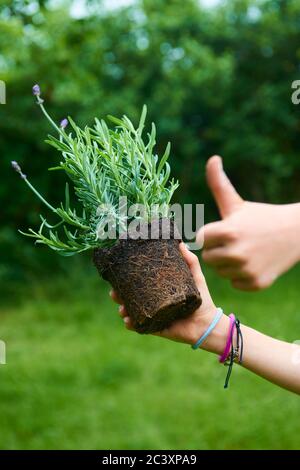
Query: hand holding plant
[189,330]
[106,166]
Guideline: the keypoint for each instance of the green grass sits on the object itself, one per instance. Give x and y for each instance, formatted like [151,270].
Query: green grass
[76,379]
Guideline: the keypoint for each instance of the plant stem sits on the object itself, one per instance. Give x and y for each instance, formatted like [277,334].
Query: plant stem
[39,195]
[49,118]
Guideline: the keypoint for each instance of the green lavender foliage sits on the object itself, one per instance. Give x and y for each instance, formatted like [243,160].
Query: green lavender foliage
[104,164]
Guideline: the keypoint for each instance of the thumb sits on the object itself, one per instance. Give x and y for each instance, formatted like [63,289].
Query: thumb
[226,197]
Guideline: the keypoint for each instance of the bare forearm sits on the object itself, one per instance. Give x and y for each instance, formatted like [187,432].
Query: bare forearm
[293,227]
[274,360]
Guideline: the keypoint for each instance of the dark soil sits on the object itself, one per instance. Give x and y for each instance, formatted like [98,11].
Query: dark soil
[152,279]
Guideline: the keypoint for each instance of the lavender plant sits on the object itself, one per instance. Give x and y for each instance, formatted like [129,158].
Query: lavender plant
[103,165]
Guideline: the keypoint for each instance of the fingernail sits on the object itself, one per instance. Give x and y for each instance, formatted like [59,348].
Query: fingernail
[126,320]
[110,293]
[121,308]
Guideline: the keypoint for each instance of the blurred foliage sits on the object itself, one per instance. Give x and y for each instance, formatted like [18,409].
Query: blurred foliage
[215,81]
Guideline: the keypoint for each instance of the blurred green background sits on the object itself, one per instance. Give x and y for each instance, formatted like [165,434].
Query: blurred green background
[216,77]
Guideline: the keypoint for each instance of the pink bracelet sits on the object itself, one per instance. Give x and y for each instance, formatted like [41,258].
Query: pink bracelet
[226,352]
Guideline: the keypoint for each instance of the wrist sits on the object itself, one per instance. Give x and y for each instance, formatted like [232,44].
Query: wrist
[216,340]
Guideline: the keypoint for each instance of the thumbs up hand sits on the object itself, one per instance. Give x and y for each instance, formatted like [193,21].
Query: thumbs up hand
[226,197]
[253,243]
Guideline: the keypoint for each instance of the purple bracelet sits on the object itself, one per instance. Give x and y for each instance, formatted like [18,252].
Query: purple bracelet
[226,352]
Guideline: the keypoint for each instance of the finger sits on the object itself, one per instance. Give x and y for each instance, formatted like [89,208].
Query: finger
[244,284]
[225,195]
[115,297]
[213,235]
[228,272]
[218,257]
[193,263]
[128,323]
[122,311]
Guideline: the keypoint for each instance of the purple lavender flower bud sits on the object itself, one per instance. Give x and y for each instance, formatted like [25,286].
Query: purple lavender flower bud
[36,90]
[64,123]
[17,168]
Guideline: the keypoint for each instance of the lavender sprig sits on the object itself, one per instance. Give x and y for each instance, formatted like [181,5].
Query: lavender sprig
[36,90]
[102,168]
[17,168]
[64,123]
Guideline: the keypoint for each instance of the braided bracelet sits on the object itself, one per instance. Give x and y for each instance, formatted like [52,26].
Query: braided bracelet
[235,352]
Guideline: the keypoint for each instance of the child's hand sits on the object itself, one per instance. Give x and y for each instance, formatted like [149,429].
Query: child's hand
[187,330]
[253,243]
